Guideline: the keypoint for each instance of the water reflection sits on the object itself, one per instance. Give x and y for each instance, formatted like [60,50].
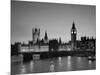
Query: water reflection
[79,63]
[90,62]
[79,59]
[22,68]
[52,67]
[59,61]
[69,57]
[31,66]
[69,64]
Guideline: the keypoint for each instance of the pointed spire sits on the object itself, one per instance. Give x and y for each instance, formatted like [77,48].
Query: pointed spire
[46,37]
[73,25]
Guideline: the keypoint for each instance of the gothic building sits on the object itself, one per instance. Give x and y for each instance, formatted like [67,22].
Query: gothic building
[73,36]
[35,35]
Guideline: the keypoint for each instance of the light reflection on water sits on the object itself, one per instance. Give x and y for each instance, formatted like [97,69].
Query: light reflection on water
[54,65]
[69,64]
[22,68]
[60,61]
[31,66]
[90,62]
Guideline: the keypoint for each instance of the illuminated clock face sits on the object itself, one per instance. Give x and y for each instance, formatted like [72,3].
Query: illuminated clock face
[73,32]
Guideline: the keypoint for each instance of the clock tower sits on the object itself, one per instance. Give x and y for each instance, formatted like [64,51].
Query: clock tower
[73,36]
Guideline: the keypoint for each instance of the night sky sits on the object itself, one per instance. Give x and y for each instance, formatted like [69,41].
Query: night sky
[56,19]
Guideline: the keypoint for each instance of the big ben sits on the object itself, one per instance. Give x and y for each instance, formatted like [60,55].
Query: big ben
[73,36]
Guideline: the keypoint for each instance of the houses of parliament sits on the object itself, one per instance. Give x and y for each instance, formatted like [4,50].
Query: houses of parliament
[45,44]
[45,41]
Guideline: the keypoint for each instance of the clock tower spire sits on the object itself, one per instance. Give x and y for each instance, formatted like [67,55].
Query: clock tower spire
[73,36]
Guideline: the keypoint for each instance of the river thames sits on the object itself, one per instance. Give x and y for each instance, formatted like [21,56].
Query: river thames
[57,64]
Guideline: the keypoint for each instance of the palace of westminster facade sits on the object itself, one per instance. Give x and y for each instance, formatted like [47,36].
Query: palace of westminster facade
[43,44]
